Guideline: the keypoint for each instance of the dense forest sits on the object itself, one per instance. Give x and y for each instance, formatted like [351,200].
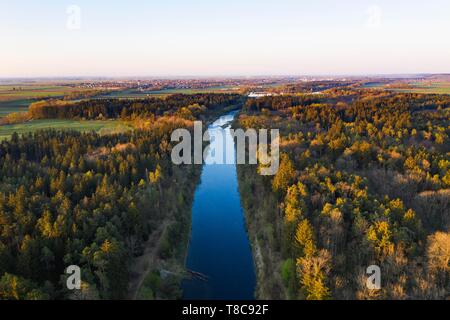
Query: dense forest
[91,200]
[364,180]
[132,108]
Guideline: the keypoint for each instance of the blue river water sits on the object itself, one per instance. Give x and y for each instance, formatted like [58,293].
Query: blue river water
[219,246]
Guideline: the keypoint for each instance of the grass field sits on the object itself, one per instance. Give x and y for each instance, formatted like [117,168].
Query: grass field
[17,97]
[103,127]
[32,91]
[429,87]
[425,87]
[7,107]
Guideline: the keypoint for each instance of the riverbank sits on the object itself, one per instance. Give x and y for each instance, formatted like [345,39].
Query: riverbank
[259,208]
[158,272]
[261,211]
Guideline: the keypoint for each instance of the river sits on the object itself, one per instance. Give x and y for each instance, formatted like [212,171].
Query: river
[219,246]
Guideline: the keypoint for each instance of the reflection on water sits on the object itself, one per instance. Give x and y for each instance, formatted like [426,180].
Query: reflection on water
[219,247]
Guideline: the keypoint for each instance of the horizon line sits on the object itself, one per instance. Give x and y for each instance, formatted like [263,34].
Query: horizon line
[240,76]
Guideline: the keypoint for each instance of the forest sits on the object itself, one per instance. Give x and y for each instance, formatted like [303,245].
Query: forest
[132,108]
[92,200]
[364,180]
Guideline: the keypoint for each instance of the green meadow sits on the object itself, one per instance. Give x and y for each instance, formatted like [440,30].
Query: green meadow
[7,107]
[17,97]
[102,127]
[431,88]
[27,91]
[415,87]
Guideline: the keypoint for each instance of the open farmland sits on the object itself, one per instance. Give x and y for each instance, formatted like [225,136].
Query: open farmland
[26,91]
[429,87]
[103,127]
[424,87]
[7,107]
[17,97]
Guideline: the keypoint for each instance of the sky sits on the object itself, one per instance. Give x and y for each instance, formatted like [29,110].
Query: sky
[60,38]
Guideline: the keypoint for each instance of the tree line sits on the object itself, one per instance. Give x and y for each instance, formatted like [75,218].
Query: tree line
[127,108]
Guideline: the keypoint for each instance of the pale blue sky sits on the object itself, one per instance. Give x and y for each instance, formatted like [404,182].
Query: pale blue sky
[218,37]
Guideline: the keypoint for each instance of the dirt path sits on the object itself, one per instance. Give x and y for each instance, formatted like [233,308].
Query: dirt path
[143,264]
